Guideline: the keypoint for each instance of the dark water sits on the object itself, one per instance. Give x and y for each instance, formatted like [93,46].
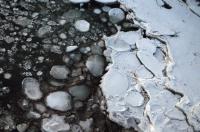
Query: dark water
[20,58]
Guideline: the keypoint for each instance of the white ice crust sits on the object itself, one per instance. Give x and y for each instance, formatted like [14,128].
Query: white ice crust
[152,83]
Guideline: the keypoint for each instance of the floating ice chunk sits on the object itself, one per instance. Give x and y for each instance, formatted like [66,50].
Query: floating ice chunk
[31,88]
[97,11]
[40,107]
[7,75]
[114,83]
[71,48]
[55,124]
[33,115]
[95,65]
[62,22]
[22,127]
[106,1]
[82,25]
[116,15]
[43,31]
[80,92]
[59,72]
[63,36]
[134,98]
[79,1]
[23,21]
[59,100]
[56,49]
[106,8]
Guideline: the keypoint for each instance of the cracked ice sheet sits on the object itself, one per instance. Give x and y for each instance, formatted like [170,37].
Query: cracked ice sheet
[128,77]
[183,112]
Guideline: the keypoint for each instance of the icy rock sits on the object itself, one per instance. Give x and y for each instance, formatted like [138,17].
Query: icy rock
[7,122]
[63,36]
[7,75]
[86,125]
[43,30]
[40,107]
[116,15]
[59,72]
[55,123]
[97,11]
[71,48]
[4,90]
[106,1]
[62,22]
[95,65]
[56,49]
[79,92]
[79,1]
[33,115]
[82,25]
[31,88]
[23,21]
[22,127]
[59,100]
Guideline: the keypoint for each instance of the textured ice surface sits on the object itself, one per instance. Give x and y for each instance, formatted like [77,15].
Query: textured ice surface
[170,94]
